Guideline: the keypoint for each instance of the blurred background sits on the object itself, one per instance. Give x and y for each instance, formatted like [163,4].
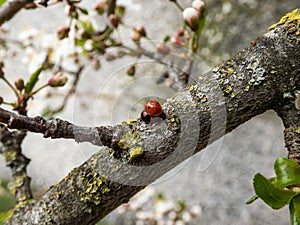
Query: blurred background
[215,183]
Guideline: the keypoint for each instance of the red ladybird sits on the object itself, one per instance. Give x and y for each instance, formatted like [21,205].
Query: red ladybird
[152,109]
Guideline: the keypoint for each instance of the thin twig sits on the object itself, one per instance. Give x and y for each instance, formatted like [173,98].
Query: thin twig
[69,94]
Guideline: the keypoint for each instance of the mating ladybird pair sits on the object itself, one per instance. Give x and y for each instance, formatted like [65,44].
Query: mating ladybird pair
[152,110]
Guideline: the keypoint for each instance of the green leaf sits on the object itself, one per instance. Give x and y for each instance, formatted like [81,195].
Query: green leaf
[87,26]
[33,79]
[2,2]
[287,171]
[273,196]
[83,11]
[295,210]
[254,197]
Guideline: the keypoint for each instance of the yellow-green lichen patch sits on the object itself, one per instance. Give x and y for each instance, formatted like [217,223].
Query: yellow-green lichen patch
[292,16]
[91,186]
[135,152]
[131,121]
[297,130]
[130,140]
[10,156]
[258,73]
[132,143]
[175,121]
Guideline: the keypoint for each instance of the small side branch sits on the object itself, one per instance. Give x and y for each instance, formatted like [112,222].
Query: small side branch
[11,151]
[291,121]
[10,8]
[57,128]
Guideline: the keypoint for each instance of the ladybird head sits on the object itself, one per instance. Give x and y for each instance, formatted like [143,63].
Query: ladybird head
[153,108]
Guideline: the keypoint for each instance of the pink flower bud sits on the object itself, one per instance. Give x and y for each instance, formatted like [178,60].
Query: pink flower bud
[162,48]
[131,70]
[180,32]
[198,5]
[177,41]
[58,80]
[100,7]
[141,30]
[136,36]
[192,18]
[114,20]
[63,32]
[109,56]
[19,83]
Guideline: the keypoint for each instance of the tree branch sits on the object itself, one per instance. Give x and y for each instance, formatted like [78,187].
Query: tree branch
[57,128]
[10,8]
[291,120]
[11,150]
[247,85]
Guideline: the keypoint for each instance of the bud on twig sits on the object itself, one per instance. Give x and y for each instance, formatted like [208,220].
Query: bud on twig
[131,70]
[63,32]
[199,6]
[1,100]
[19,83]
[100,7]
[114,20]
[162,48]
[58,80]
[141,30]
[192,18]
[136,36]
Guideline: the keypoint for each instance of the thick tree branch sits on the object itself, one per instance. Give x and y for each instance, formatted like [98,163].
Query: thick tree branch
[10,8]
[245,86]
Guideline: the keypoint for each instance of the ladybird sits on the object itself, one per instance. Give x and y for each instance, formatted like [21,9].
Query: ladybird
[152,110]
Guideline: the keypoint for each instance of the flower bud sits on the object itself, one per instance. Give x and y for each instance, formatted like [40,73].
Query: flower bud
[192,18]
[96,63]
[19,83]
[177,41]
[198,5]
[63,32]
[136,36]
[131,70]
[1,100]
[114,20]
[58,80]
[141,30]
[109,57]
[162,48]
[100,7]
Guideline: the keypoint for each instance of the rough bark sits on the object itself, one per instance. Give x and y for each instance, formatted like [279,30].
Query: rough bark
[253,81]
